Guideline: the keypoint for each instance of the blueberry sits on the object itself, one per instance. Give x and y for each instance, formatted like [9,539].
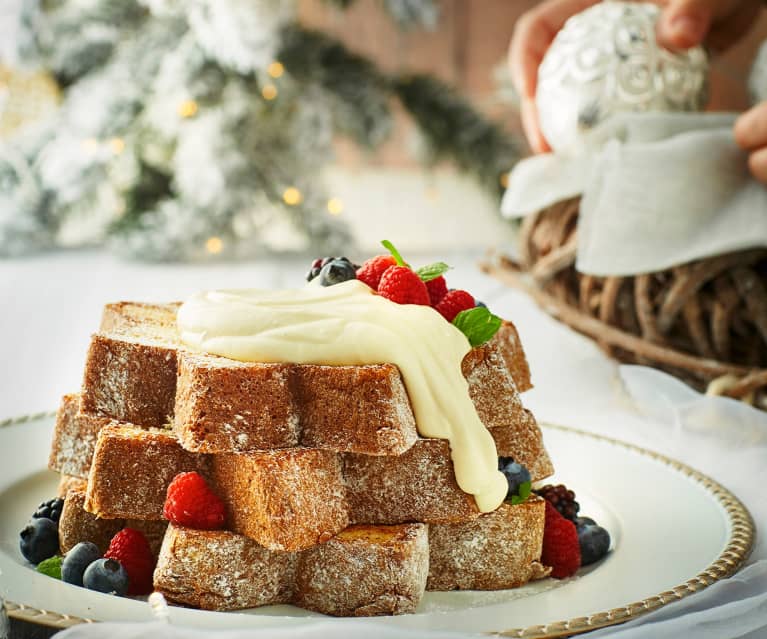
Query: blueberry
[77,560]
[516,474]
[106,575]
[336,271]
[582,522]
[594,542]
[317,265]
[50,509]
[39,540]
[482,304]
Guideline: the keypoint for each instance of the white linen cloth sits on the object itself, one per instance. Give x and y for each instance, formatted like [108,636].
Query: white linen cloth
[54,301]
[658,189]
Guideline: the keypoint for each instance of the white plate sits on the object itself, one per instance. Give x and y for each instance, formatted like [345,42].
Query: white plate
[674,532]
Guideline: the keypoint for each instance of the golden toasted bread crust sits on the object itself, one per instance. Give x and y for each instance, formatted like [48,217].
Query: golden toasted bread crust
[510,347]
[285,500]
[362,571]
[77,524]
[365,571]
[131,470]
[297,453]
[129,380]
[498,550]
[221,570]
[69,482]
[418,485]
[74,438]
[131,376]
[523,441]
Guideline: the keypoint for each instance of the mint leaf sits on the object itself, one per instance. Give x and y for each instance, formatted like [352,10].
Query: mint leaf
[394,253]
[478,324]
[522,494]
[51,566]
[432,271]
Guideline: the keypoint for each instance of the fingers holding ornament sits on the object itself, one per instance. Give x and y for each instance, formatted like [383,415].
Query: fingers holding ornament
[751,135]
[757,163]
[751,128]
[720,23]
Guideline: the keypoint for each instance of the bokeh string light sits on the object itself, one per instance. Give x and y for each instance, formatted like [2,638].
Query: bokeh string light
[292,196]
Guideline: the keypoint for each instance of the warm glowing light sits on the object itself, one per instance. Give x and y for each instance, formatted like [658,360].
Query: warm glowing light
[188,109]
[335,206]
[504,180]
[117,145]
[275,69]
[269,92]
[91,144]
[214,245]
[292,196]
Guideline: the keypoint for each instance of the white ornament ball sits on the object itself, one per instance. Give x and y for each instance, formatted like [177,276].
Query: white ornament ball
[606,60]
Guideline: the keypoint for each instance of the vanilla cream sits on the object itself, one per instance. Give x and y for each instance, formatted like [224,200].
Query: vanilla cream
[349,324]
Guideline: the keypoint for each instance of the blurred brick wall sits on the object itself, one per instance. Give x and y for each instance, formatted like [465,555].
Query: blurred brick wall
[469,44]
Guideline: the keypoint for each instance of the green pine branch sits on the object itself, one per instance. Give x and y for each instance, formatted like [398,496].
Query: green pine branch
[454,130]
[359,91]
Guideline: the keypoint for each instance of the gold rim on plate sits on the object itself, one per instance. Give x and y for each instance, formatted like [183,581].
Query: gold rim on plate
[729,561]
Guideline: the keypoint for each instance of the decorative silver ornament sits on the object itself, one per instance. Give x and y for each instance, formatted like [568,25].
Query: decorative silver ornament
[606,60]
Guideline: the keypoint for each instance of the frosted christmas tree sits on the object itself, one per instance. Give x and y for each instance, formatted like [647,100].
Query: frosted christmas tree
[189,129]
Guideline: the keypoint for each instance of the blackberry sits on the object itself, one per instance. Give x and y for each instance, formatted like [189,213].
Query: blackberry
[562,498]
[317,265]
[50,509]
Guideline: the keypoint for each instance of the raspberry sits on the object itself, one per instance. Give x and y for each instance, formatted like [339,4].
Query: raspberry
[437,289]
[562,498]
[453,303]
[403,286]
[190,502]
[371,270]
[131,549]
[561,549]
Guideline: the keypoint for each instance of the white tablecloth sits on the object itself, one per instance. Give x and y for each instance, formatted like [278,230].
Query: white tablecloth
[51,304]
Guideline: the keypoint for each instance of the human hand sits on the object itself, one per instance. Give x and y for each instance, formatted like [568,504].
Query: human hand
[683,24]
[533,33]
[751,134]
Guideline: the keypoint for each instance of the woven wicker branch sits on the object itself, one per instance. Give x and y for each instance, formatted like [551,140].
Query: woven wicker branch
[701,321]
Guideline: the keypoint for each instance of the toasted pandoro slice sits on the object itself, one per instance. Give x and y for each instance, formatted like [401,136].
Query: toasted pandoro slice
[131,376]
[523,441]
[497,550]
[221,570]
[285,499]
[362,571]
[226,406]
[69,482]
[130,369]
[365,571]
[418,485]
[74,438]
[77,524]
[131,470]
